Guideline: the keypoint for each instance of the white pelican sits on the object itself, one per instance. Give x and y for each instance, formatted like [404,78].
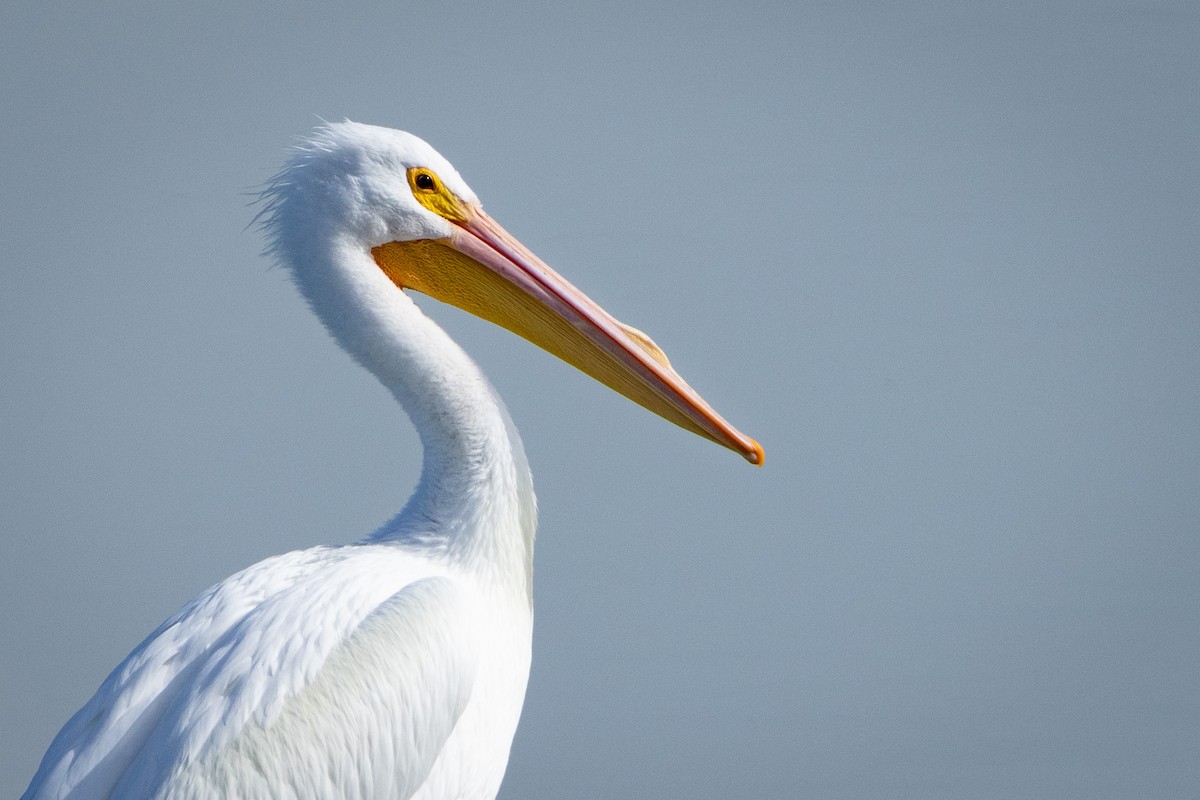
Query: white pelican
[395,667]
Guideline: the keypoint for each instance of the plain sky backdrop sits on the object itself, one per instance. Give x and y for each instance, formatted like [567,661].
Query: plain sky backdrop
[942,259]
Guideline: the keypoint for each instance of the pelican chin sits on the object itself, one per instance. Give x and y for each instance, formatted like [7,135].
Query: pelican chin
[395,667]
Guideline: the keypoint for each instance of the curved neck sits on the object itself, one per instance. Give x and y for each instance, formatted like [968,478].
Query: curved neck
[474,503]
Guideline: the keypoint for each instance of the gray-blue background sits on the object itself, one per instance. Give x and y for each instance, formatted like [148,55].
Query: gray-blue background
[943,259]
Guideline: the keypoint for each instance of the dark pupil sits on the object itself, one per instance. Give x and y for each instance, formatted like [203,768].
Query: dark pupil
[424,181]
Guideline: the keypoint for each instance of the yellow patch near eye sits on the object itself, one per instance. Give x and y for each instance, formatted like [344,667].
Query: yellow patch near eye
[430,192]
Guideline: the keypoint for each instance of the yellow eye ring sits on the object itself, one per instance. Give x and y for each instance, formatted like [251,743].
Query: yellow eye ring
[430,192]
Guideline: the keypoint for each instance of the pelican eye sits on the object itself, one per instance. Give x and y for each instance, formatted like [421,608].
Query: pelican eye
[430,192]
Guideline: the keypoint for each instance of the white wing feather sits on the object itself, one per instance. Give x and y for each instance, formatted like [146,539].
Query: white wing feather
[317,646]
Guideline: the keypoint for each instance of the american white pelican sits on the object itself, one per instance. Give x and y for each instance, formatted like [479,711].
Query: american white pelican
[395,667]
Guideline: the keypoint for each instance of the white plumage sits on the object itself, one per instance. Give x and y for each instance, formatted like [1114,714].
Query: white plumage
[395,667]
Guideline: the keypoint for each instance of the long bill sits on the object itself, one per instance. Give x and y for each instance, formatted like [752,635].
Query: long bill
[483,269]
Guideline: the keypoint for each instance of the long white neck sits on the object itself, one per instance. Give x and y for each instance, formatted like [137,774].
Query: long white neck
[474,503]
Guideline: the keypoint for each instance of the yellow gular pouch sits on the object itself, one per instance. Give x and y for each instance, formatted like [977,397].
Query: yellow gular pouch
[437,270]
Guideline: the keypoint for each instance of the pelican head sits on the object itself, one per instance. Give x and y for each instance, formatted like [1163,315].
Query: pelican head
[393,200]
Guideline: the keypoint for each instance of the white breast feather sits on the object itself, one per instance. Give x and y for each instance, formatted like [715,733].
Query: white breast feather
[309,645]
